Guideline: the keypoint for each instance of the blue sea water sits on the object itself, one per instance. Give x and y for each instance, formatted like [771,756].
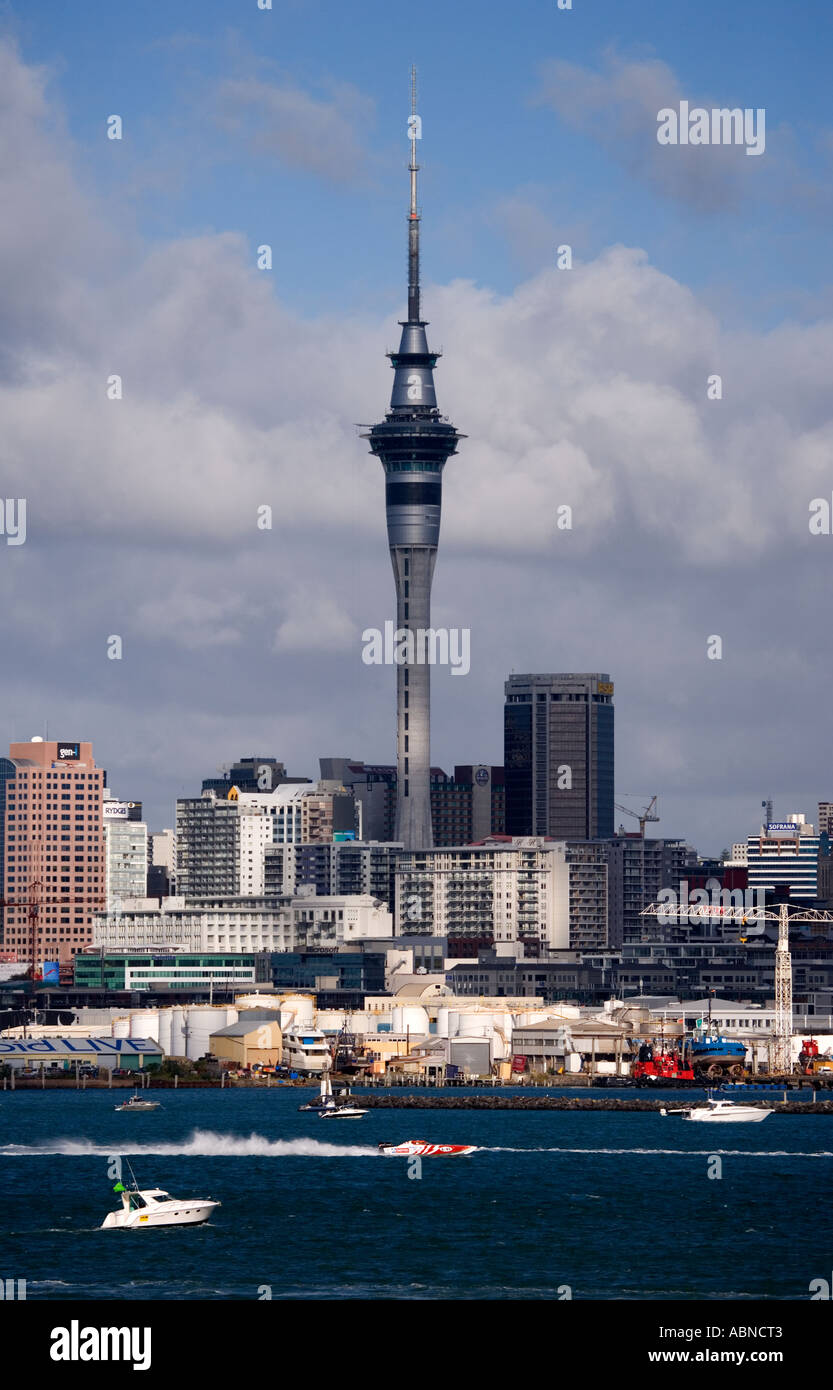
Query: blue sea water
[609,1206]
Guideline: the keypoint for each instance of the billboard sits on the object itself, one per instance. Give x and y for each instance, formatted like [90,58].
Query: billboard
[344,835]
[116,810]
[68,752]
[50,974]
[782,827]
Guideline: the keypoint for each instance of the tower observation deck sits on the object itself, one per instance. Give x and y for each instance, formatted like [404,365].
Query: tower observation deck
[413,442]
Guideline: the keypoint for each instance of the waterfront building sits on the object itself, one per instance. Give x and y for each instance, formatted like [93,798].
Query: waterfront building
[825,820]
[159,969]
[53,849]
[413,443]
[558,755]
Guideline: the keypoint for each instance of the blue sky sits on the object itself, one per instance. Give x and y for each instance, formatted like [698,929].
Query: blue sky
[488,138]
[287,127]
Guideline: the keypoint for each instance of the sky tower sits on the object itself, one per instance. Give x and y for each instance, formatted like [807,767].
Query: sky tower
[413,443]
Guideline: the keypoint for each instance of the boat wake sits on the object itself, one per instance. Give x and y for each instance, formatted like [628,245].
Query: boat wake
[679,1153]
[202,1143]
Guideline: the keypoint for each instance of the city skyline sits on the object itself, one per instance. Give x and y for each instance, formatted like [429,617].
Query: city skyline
[583,388]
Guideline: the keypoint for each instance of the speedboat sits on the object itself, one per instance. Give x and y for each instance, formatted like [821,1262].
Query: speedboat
[136,1103]
[722,1111]
[152,1206]
[341,1112]
[419,1148]
[326,1106]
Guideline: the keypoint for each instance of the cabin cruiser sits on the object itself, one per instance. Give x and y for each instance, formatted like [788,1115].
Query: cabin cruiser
[306,1050]
[723,1111]
[152,1206]
[326,1107]
[136,1103]
[419,1148]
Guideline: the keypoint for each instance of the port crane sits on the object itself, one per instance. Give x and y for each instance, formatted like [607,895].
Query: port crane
[34,902]
[743,916]
[647,814]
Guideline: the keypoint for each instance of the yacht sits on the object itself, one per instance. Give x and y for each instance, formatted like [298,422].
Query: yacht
[305,1050]
[721,1111]
[136,1103]
[152,1206]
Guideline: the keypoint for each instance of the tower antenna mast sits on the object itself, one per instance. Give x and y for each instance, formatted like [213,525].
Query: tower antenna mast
[414,129]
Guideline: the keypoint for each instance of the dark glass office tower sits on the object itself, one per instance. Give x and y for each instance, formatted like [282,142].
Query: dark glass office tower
[558,755]
[413,442]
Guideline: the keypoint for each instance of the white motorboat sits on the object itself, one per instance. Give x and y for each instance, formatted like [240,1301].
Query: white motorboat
[136,1103]
[341,1112]
[722,1112]
[152,1206]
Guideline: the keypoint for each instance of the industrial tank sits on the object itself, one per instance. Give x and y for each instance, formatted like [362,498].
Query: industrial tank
[164,1038]
[144,1023]
[121,1028]
[409,1018]
[202,1021]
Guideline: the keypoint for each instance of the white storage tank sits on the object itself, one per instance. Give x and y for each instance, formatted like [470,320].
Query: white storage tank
[164,1038]
[330,1020]
[298,1009]
[121,1028]
[442,1023]
[145,1024]
[409,1018]
[475,1026]
[203,1020]
[178,1032]
[359,1023]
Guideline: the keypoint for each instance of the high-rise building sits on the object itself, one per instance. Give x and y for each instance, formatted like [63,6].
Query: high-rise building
[784,855]
[221,842]
[464,808]
[413,442]
[125,850]
[558,756]
[54,849]
[825,818]
[250,775]
[531,894]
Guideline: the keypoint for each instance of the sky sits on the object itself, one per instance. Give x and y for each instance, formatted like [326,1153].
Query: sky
[584,387]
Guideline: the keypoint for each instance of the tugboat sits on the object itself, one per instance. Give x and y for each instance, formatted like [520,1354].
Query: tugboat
[710,1052]
[660,1064]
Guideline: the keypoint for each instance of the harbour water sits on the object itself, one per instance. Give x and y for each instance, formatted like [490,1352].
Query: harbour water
[555,1204]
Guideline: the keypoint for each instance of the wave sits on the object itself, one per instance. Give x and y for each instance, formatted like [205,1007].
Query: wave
[674,1153]
[202,1143]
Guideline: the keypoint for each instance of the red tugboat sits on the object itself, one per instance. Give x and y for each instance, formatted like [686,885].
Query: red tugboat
[660,1064]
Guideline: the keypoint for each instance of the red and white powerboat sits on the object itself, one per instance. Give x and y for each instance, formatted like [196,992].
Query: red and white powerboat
[419,1148]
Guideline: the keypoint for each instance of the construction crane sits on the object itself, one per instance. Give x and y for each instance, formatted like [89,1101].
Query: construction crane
[647,814]
[34,903]
[781,1059]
